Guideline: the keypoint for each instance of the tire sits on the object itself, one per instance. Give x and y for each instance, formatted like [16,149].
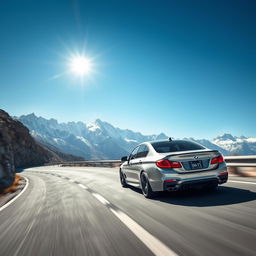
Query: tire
[145,186]
[122,179]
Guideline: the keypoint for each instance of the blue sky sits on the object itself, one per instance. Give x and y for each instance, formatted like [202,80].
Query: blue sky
[186,68]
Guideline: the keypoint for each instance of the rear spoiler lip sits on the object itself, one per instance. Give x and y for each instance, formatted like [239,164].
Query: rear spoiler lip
[206,151]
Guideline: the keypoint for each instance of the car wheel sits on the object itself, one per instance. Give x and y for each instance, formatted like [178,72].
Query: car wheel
[145,187]
[122,179]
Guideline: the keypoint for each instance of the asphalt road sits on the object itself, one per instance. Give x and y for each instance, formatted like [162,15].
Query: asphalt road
[85,211]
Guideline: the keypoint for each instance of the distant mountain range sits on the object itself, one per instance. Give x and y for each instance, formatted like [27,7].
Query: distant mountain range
[101,140]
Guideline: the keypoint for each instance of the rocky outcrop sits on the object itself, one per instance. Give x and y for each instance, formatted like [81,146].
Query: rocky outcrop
[7,169]
[26,152]
[18,149]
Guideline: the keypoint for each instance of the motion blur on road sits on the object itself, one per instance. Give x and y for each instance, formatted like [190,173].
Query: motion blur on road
[85,211]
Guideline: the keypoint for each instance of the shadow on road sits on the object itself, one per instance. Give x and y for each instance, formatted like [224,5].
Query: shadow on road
[222,196]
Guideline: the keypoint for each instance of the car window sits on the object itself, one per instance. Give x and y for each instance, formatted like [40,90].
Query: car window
[143,151]
[174,146]
[133,154]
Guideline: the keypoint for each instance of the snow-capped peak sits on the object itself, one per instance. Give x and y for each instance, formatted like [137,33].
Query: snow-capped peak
[92,127]
[225,136]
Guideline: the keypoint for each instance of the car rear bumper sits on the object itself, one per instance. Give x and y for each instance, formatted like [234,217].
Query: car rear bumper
[190,184]
[174,182]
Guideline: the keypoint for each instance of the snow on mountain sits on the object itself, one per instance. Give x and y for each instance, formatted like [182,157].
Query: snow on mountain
[211,145]
[236,145]
[92,127]
[85,141]
[250,140]
[226,137]
[135,141]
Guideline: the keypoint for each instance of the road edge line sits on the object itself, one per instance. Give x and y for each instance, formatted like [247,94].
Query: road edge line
[16,197]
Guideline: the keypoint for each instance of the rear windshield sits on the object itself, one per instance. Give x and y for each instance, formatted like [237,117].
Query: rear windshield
[174,146]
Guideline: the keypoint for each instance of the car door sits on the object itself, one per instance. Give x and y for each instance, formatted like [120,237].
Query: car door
[138,162]
[129,168]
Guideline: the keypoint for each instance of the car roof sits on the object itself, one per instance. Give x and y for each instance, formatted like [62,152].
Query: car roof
[156,141]
[151,143]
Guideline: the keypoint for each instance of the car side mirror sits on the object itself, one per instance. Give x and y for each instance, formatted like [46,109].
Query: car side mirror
[124,158]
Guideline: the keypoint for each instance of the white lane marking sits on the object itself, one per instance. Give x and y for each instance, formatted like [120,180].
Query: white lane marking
[101,198]
[16,197]
[243,182]
[82,186]
[155,245]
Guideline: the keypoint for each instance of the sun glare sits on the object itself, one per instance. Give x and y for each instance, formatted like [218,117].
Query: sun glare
[81,65]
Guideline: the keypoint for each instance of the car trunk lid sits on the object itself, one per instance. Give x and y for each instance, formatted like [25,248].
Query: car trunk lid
[196,160]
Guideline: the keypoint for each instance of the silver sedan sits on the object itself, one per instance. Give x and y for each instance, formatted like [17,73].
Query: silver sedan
[171,165]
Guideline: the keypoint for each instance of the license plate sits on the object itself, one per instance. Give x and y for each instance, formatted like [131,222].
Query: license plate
[196,165]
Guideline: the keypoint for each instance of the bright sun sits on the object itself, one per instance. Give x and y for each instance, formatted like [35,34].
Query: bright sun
[81,65]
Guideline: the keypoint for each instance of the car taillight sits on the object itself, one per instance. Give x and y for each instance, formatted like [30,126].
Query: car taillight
[170,180]
[164,163]
[175,164]
[217,160]
[224,173]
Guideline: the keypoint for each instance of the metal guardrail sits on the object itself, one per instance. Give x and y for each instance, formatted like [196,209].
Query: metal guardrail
[232,161]
[95,163]
[241,161]
[241,164]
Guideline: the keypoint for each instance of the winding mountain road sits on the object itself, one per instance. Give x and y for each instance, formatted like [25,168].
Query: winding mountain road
[85,211]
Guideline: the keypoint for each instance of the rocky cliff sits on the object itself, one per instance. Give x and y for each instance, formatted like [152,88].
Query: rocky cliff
[7,169]
[18,149]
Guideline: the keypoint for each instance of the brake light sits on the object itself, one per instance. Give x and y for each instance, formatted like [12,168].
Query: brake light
[175,164]
[170,180]
[164,163]
[217,160]
[224,173]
